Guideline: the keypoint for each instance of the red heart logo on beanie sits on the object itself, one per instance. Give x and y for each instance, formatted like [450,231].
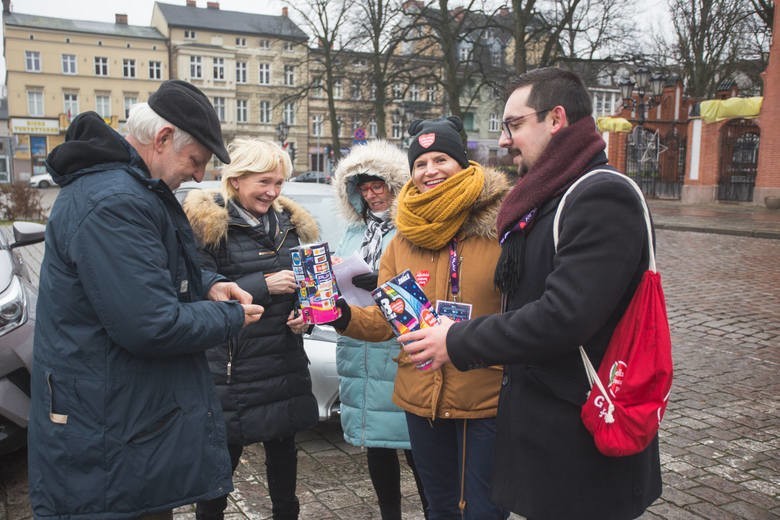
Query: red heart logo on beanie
[426,140]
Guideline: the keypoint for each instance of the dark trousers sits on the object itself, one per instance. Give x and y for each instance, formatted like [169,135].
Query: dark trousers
[281,468]
[438,448]
[385,471]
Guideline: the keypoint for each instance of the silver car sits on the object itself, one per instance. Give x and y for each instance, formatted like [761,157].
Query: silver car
[17,324]
[320,345]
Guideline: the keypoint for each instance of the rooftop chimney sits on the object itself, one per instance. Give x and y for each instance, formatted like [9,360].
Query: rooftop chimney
[191,3]
[212,5]
[284,12]
[6,6]
[121,19]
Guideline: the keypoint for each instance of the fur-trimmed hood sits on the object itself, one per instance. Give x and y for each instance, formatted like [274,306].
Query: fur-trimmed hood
[209,217]
[481,221]
[379,158]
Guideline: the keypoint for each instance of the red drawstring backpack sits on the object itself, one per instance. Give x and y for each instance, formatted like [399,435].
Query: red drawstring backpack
[630,391]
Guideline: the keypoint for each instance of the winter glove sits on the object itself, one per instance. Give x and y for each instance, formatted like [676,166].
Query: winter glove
[366,281]
[342,322]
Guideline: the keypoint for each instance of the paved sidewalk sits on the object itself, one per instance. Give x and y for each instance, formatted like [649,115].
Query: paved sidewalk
[740,219]
[720,438]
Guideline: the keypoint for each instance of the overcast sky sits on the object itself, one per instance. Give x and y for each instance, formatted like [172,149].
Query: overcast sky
[139,12]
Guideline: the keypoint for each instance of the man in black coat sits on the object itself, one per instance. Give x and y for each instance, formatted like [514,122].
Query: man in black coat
[547,465]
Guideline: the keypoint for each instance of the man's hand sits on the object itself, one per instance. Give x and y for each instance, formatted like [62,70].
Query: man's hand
[252,313]
[428,344]
[281,282]
[224,291]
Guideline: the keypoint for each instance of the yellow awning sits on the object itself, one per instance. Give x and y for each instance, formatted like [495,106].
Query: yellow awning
[714,110]
[613,124]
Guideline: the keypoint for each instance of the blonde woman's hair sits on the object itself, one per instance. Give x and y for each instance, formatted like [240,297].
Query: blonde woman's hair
[253,156]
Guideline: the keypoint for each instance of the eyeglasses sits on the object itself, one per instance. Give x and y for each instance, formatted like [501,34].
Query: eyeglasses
[507,124]
[377,188]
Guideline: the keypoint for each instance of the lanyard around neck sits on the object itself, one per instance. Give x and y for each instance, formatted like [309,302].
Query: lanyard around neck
[454,276]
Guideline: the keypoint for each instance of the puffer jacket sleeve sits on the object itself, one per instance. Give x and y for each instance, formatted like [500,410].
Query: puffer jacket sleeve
[138,304]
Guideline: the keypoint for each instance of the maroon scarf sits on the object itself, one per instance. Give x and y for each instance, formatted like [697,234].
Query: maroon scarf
[564,159]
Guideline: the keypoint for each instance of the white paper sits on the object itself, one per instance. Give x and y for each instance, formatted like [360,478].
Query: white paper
[350,266]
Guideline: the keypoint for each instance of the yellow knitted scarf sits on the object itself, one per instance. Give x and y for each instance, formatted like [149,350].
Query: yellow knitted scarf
[430,220]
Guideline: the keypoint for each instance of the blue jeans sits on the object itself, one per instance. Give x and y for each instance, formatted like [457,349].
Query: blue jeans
[437,448]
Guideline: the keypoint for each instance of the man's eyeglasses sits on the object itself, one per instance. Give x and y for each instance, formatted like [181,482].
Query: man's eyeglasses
[507,124]
[377,188]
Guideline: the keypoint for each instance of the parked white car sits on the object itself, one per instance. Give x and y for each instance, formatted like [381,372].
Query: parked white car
[320,345]
[41,180]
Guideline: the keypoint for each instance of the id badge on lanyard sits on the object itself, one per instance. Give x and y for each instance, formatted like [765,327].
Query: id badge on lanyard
[455,310]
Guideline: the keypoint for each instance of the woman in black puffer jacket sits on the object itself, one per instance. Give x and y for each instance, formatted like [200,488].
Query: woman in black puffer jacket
[262,377]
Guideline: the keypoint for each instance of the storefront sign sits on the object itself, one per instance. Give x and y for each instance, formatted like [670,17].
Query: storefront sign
[35,126]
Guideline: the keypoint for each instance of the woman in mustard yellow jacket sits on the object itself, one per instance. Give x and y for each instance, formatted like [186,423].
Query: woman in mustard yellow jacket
[445,219]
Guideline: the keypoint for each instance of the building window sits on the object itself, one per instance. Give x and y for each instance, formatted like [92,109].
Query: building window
[32,61]
[398,92]
[338,88]
[265,111]
[70,105]
[397,128]
[101,66]
[196,71]
[468,122]
[219,69]
[356,92]
[360,62]
[128,68]
[414,92]
[103,105]
[316,126]
[495,123]
[289,75]
[430,95]
[240,42]
[189,34]
[35,102]
[219,108]
[464,52]
[289,113]
[129,102]
[496,57]
[155,70]
[241,110]
[240,72]
[372,129]
[317,88]
[265,74]
[69,64]
[264,44]
[373,92]
[289,46]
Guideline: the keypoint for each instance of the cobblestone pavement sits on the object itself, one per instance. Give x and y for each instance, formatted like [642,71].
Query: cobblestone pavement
[720,439]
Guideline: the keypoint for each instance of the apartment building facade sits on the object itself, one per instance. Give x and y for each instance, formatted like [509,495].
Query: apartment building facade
[251,66]
[57,68]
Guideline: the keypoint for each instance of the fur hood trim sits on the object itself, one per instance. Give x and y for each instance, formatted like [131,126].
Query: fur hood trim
[481,221]
[379,158]
[209,217]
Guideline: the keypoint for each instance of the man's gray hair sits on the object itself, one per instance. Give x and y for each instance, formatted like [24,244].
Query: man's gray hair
[143,123]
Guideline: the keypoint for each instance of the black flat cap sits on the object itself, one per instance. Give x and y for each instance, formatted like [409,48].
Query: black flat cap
[185,106]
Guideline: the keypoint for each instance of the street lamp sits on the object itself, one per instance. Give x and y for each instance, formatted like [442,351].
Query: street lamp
[317,134]
[643,78]
[282,130]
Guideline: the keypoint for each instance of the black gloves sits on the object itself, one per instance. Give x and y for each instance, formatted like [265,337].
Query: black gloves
[366,281]
[342,322]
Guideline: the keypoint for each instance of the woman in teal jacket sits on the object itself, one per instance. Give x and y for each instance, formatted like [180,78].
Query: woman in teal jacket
[367,182]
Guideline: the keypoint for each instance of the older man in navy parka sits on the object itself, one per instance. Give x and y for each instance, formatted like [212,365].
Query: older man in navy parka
[124,420]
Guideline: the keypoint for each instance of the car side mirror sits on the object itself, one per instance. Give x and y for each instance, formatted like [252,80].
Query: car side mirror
[27,233]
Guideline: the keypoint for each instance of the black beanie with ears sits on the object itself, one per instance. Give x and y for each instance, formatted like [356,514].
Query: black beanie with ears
[437,135]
